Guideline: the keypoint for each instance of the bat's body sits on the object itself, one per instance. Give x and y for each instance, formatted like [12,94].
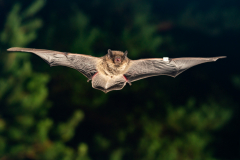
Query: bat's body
[114,70]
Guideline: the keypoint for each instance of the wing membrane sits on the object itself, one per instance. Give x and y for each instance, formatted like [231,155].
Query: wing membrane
[144,68]
[83,63]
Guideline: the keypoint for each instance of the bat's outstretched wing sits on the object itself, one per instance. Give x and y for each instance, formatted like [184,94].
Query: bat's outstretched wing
[83,63]
[143,68]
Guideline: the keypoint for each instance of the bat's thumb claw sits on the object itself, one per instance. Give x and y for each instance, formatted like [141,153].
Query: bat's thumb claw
[88,80]
[130,83]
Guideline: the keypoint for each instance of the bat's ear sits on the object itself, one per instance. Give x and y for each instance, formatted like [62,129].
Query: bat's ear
[109,53]
[125,53]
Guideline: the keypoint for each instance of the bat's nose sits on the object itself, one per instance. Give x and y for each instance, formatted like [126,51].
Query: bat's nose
[117,60]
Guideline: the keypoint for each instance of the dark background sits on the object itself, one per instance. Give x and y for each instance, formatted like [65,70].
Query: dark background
[53,113]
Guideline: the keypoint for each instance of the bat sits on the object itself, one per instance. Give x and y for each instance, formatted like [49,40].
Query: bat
[115,69]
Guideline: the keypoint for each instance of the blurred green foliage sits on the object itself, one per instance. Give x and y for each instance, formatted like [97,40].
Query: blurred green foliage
[25,124]
[52,113]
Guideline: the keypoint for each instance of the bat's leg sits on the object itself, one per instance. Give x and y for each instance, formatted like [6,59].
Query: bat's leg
[92,77]
[127,80]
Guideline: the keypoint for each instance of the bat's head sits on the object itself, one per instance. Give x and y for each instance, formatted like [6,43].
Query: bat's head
[117,57]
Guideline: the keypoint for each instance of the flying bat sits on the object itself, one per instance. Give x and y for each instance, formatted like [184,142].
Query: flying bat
[115,69]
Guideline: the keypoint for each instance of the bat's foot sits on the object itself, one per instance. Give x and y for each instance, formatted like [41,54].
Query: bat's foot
[127,80]
[92,77]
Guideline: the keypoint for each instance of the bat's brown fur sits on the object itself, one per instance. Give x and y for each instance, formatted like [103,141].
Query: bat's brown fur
[109,68]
